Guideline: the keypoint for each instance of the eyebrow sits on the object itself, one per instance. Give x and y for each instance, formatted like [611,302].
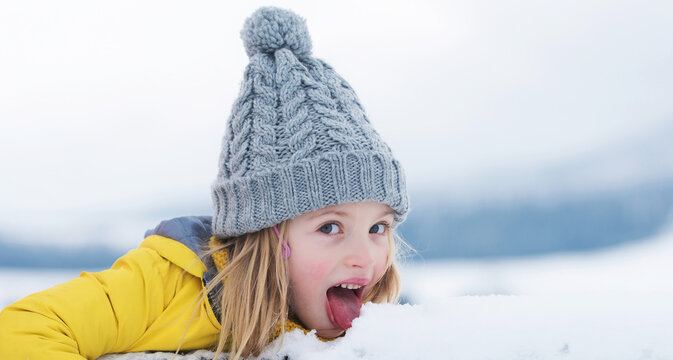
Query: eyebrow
[343,213]
[323,212]
[387,212]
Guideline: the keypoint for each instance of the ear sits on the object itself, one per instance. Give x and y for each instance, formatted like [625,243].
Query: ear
[286,248]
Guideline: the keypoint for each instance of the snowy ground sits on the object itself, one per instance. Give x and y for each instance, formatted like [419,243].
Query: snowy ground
[17,283]
[614,304]
[504,327]
[494,327]
[642,267]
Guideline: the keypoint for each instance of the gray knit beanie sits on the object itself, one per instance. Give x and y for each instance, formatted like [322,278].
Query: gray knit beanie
[298,139]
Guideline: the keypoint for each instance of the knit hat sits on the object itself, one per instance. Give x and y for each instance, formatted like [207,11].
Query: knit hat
[298,139]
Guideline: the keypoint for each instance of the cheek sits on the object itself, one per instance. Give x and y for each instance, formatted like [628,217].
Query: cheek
[307,272]
[318,269]
[381,260]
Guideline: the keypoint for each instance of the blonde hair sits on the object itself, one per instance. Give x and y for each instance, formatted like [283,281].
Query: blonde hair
[254,299]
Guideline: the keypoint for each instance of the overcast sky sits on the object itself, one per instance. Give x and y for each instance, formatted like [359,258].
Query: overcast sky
[121,105]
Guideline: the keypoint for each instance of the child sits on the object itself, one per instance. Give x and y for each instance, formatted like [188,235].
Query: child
[305,203]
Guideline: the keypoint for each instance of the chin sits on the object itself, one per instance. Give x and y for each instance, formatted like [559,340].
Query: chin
[332,333]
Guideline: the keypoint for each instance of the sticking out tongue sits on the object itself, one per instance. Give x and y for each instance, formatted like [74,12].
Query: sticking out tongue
[343,305]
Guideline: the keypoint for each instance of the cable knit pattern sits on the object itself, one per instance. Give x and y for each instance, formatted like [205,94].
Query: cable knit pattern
[298,138]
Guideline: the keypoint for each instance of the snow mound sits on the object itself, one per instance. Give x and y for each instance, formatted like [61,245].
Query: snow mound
[194,355]
[567,327]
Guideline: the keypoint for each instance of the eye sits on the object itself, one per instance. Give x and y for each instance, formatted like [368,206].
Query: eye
[329,229]
[378,229]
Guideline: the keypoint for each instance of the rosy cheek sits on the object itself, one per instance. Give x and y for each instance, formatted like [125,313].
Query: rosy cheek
[381,265]
[317,271]
[308,272]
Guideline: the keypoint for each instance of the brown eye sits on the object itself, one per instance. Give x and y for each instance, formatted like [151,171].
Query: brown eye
[377,229]
[329,229]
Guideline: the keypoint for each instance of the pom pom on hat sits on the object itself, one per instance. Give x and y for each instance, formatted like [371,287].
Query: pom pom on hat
[269,29]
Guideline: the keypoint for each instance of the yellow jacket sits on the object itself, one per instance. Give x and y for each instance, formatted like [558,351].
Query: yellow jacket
[148,300]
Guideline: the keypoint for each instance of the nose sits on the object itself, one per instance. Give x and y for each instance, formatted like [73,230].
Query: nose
[359,252]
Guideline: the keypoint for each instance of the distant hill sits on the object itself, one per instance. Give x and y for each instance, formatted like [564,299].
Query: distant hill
[519,228]
[441,229]
[40,256]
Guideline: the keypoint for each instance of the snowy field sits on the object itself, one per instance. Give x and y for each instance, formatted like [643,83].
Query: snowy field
[17,283]
[642,267]
[612,304]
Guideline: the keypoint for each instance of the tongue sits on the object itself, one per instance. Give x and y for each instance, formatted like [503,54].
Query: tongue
[344,306]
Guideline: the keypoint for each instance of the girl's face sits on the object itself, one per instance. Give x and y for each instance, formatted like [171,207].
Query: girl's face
[342,244]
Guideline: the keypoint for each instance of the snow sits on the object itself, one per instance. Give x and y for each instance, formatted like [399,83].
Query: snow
[502,327]
[636,267]
[612,304]
[573,327]
[17,283]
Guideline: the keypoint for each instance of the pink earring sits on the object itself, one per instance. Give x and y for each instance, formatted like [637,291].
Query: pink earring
[286,249]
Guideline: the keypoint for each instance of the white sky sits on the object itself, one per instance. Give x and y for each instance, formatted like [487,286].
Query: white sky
[122,105]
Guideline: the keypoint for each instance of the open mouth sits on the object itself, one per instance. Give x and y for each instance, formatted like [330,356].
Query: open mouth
[343,303]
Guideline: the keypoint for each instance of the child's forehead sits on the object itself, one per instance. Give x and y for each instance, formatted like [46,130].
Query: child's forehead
[371,208]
